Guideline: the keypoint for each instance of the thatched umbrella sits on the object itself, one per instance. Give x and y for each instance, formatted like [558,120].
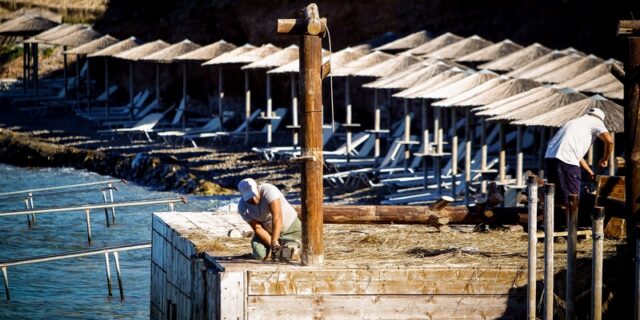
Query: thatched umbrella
[110,51]
[447,77]
[491,53]
[517,59]
[89,48]
[409,42]
[167,56]
[435,44]
[135,54]
[461,48]
[415,74]
[26,26]
[272,61]
[207,53]
[547,58]
[34,12]
[598,80]
[532,103]
[556,118]
[570,71]
[57,32]
[244,55]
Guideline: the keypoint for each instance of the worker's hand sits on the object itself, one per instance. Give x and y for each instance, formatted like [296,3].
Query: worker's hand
[592,176]
[603,163]
[275,245]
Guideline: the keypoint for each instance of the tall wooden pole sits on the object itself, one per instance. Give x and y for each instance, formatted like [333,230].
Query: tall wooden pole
[502,159]
[519,157]
[572,242]
[596,263]
[312,28]
[549,195]
[532,231]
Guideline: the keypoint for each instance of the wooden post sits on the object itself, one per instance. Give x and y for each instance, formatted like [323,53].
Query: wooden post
[88,83]
[5,279]
[220,94]
[532,231]
[519,156]
[88,218]
[376,124]
[483,153]
[347,102]
[596,260]
[108,270]
[572,241]
[117,261]
[247,106]
[311,92]
[549,192]
[407,133]
[454,153]
[268,114]
[294,110]
[612,157]
[637,282]
[106,83]
[502,159]
[467,154]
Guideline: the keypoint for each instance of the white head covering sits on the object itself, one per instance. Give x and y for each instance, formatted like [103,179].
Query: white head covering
[248,188]
[597,112]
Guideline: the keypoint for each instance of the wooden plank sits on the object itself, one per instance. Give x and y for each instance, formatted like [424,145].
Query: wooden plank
[232,295]
[611,188]
[213,295]
[411,281]
[198,293]
[387,307]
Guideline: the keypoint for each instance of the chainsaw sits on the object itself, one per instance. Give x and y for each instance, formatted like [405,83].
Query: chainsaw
[591,186]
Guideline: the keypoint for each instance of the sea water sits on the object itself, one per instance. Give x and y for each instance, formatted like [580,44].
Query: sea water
[76,288]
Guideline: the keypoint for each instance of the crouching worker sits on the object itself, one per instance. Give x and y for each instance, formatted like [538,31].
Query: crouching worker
[277,229]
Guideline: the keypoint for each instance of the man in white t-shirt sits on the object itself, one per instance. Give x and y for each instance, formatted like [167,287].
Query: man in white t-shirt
[273,219]
[566,151]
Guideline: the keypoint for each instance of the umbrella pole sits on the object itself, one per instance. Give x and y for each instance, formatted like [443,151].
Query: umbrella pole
[347,102]
[454,153]
[35,68]
[268,114]
[376,125]
[25,63]
[425,141]
[483,153]
[294,109]
[503,155]
[184,94]
[88,84]
[247,106]
[220,95]
[519,156]
[612,157]
[541,152]
[467,154]
[106,84]
[77,81]
[66,77]
[407,133]
[438,171]
[131,89]
[158,84]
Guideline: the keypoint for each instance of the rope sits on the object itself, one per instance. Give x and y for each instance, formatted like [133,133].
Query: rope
[333,120]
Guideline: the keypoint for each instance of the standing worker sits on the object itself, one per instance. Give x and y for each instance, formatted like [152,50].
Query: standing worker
[566,151]
[277,229]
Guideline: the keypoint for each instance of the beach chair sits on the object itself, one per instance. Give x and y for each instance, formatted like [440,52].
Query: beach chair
[270,153]
[214,125]
[215,135]
[144,126]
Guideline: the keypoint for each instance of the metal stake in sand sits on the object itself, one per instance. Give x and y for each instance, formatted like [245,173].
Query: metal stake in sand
[311,28]
[596,260]
[549,194]
[532,231]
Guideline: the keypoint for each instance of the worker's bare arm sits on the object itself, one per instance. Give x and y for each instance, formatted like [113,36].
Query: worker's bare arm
[276,213]
[608,148]
[584,165]
[262,234]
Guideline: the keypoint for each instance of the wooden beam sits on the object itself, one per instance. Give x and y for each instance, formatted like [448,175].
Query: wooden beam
[298,26]
[629,28]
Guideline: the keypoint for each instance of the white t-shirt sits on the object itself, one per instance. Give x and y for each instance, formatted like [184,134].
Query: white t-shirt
[573,140]
[262,213]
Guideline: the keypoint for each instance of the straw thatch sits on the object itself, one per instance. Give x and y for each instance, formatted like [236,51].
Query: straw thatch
[614,119]
[221,59]
[492,52]
[170,53]
[207,52]
[366,61]
[461,86]
[276,59]
[93,46]
[250,56]
[141,51]
[439,81]
[294,66]
[517,101]
[531,106]
[589,75]
[550,66]
[570,71]
[411,41]
[77,38]
[406,79]
[40,12]
[26,26]
[461,48]
[388,67]
[116,48]
[56,33]
[517,59]
[606,85]
[551,56]
[491,91]
[435,44]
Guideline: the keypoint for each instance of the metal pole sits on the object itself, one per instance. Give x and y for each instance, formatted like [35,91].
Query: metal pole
[532,231]
[347,102]
[5,277]
[247,106]
[596,268]
[117,261]
[407,133]
[519,156]
[220,95]
[108,269]
[542,151]
[502,159]
[572,240]
[454,153]
[294,110]
[269,109]
[113,209]
[483,153]
[170,205]
[33,215]
[376,124]
[106,210]
[549,191]
[26,204]
[467,154]
[88,218]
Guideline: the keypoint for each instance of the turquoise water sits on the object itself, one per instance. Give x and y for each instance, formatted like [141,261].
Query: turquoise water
[76,288]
